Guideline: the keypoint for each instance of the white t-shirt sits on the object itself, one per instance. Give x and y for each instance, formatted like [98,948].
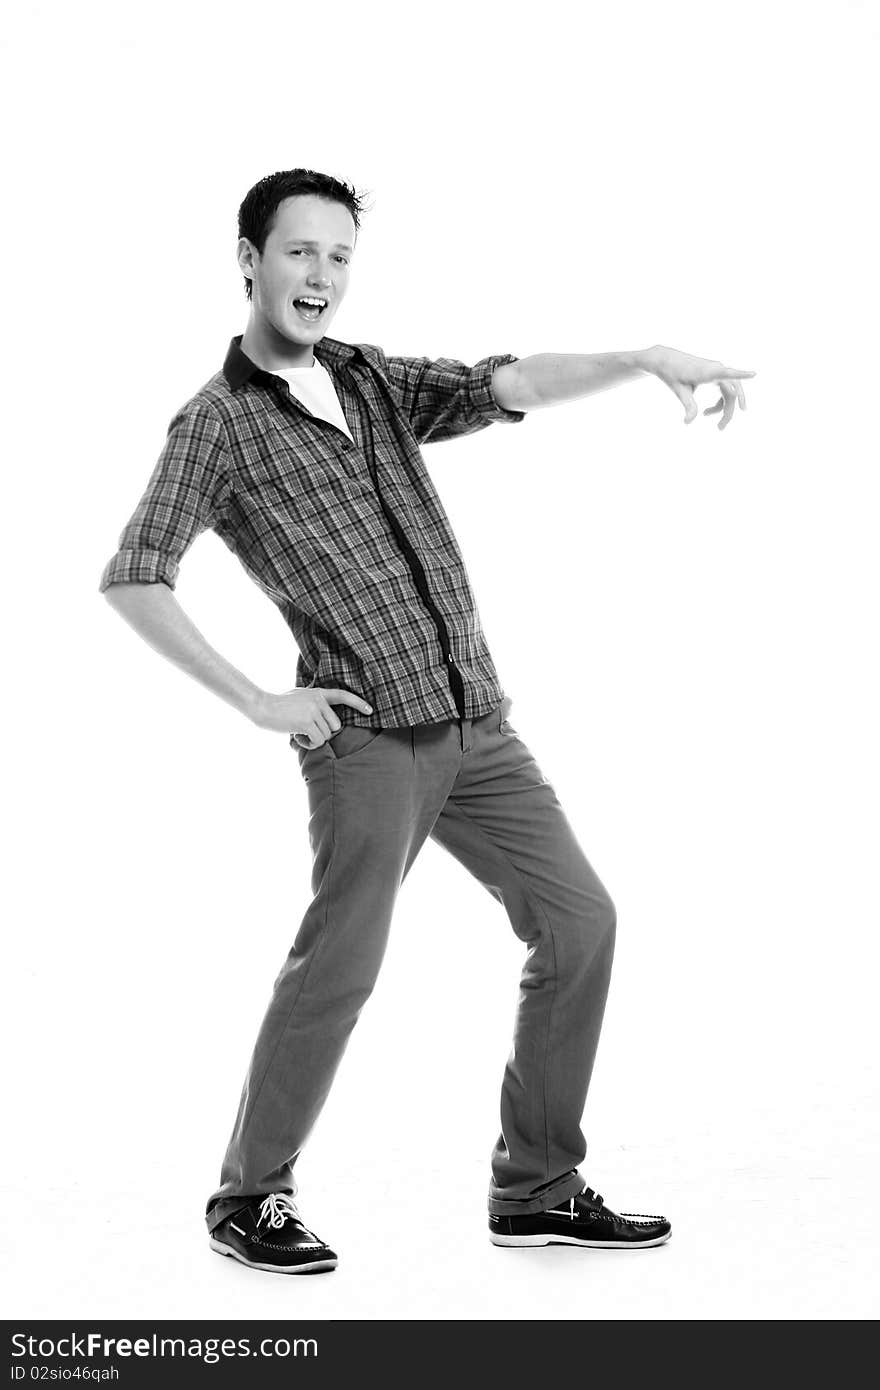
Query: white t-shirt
[314,387]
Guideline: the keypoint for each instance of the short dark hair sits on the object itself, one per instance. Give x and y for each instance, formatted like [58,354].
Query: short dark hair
[256,216]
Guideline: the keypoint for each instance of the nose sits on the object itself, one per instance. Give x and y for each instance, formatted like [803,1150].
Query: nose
[316,279]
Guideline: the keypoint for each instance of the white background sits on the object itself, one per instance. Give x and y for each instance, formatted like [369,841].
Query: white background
[686,620]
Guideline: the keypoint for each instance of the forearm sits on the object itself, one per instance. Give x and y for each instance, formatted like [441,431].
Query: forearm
[155,614]
[546,378]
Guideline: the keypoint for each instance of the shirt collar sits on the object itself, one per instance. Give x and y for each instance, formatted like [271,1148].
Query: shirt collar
[238,367]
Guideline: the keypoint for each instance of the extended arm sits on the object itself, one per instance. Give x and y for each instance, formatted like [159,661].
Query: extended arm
[546,378]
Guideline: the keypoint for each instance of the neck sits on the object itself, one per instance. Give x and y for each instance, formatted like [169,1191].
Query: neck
[270,350]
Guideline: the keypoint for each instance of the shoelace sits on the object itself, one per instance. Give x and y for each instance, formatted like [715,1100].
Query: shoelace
[584,1192]
[626,1215]
[277,1208]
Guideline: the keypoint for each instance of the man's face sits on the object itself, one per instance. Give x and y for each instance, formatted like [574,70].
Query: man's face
[308,252]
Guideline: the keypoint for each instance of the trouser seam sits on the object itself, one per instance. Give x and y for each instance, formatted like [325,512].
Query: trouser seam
[537,903]
[319,948]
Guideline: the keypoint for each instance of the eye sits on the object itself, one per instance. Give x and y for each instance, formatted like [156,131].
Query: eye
[344,259]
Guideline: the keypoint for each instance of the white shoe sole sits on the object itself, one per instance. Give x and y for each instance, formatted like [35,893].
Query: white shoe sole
[315,1267]
[514,1242]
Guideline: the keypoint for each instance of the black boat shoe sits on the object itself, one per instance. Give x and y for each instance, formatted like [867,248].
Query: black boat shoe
[581,1220]
[269,1234]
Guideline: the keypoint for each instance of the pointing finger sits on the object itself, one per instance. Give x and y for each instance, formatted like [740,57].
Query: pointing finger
[728,397]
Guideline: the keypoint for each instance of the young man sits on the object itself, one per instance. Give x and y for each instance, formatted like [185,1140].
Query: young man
[303,454]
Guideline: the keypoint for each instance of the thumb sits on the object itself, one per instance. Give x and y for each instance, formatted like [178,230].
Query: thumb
[686,396]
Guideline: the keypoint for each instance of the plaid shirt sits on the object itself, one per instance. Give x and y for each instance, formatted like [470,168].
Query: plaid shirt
[350,540]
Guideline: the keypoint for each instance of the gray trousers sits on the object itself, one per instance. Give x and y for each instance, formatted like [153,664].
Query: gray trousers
[374,798]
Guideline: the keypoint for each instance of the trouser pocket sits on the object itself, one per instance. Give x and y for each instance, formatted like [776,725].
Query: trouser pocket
[350,740]
[504,725]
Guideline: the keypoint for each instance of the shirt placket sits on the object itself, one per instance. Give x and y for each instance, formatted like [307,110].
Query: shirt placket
[411,556]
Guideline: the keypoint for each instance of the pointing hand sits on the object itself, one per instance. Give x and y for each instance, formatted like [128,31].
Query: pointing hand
[683,373]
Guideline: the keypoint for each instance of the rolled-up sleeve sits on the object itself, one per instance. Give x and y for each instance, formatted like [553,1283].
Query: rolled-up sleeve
[443,397]
[187,493]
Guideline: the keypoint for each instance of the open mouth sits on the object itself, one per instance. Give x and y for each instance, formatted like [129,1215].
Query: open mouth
[310,307]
